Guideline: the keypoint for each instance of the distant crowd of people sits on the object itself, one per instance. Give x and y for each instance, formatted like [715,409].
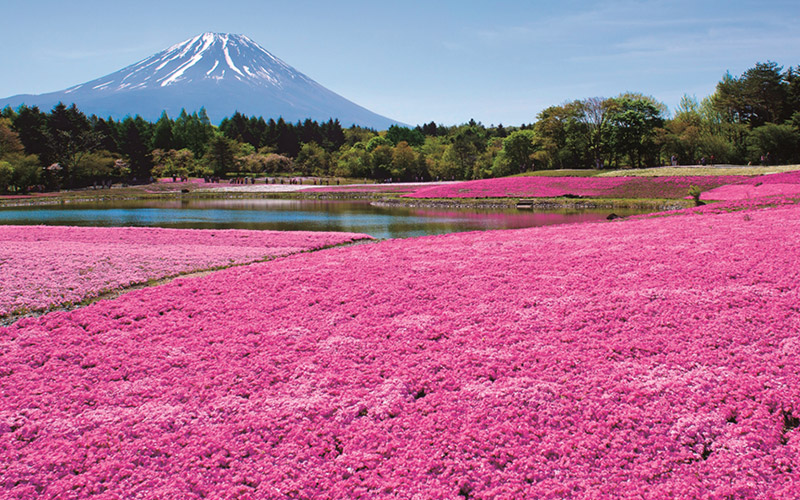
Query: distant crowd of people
[702,161]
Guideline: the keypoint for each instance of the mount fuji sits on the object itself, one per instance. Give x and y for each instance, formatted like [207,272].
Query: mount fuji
[223,73]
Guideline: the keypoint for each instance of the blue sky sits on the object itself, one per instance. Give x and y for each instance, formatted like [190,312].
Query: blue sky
[417,61]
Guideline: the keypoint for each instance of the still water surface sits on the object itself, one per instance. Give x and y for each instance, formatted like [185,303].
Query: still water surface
[293,215]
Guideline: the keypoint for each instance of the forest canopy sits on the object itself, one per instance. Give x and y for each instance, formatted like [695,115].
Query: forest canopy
[752,118]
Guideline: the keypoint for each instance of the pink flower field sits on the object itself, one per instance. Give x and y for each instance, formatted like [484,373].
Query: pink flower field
[652,358]
[785,184]
[721,207]
[46,266]
[372,188]
[552,187]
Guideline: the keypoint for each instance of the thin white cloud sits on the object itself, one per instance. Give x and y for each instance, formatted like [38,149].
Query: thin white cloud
[621,20]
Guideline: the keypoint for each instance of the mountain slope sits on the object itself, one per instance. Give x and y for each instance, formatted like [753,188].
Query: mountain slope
[221,72]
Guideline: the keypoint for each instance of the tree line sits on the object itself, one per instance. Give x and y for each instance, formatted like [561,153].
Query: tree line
[752,118]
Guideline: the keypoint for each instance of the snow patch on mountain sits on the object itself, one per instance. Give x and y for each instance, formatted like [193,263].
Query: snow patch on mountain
[198,58]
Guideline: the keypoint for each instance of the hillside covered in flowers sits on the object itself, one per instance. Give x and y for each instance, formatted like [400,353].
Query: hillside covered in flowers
[648,358]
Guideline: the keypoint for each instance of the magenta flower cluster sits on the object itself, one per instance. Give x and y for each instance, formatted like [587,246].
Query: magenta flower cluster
[47,266]
[552,187]
[367,188]
[721,207]
[652,358]
[783,184]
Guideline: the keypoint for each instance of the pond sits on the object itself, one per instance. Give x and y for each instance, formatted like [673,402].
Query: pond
[293,215]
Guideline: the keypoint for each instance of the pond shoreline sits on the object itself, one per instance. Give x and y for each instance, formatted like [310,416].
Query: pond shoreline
[537,203]
[381,200]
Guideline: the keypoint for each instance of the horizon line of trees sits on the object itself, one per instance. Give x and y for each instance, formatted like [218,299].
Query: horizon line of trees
[753,118]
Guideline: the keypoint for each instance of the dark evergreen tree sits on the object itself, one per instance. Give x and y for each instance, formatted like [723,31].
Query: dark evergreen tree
[759,96]
[332,135]
[180,131]
[134,146]
[30,125]
[433,130]
[467,144]
[69,138]
[256,128]
[792,79]
[199,133]
[237,128]
[8,112]
[107,134]
[202,115]
[162,136]
[287,142]
[221,155]
[309,132]
[269,138]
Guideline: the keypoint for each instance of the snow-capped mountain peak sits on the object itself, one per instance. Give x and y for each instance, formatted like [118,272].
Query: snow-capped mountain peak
[210,56]
[223,73]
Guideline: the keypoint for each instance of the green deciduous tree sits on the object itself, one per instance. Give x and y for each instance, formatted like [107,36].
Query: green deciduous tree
[313,160]
[466,146]
[405,163]
[174,163]
[381,162]
[6,174]
[412,137]
[780,142]
[595,112]
[276,163]
[696,131]
[633,120]
[97,165]
[353,162]
[9,140]
[562,137]
[517,154]
[377,141]
[26,171]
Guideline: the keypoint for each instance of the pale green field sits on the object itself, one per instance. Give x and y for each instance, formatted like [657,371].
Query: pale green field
[719,170]
[560,173]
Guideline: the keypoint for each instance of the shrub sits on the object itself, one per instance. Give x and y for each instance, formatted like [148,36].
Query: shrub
[695,192]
